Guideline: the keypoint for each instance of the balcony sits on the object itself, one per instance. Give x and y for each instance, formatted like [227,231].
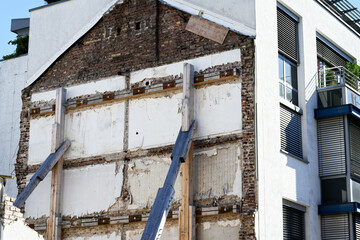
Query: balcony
[337,86]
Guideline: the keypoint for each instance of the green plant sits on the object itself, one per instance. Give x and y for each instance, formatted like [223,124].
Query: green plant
[353,68]
[22,44]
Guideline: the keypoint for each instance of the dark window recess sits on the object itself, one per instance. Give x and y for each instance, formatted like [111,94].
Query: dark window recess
[329,55]
[293,223]
[333,191]
[137,26]
[354,129]
[290,132]
[287,35]
[331,98]
[335,226]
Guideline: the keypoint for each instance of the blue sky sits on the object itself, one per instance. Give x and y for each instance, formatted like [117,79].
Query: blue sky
[10,9]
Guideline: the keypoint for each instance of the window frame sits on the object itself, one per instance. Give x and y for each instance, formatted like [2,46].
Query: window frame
[284,82]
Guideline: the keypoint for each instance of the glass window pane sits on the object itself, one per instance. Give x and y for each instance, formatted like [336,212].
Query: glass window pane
[289,94]
[288,72]
[281,90]
[281,69]
[294,77]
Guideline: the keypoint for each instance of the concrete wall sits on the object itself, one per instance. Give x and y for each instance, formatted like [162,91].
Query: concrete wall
[13,75]
[282,176]
[56,27]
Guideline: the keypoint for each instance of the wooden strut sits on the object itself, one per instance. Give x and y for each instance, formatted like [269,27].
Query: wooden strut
[53,227]
[187,211]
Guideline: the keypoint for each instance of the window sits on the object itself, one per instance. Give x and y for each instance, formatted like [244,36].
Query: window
[293,221]
[335,226]
[287,26]
[290,132]
[288,80]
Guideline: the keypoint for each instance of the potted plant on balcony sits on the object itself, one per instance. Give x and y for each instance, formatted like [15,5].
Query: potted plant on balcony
[355,70]
[331,77]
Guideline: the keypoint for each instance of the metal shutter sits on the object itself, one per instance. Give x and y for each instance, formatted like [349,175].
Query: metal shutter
[331,146]
[335,227]
[328,54]
[356,218]
[287,35]
[293,224]
[290,130]
[355,149]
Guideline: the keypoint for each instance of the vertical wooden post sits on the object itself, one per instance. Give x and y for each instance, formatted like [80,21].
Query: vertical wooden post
[187,212]
[53,227]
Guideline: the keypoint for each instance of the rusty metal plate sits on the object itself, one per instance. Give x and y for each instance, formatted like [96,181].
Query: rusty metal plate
[225,209]
[138,90]
[206,29]
[199,78]
[227,73]
[103,221]
[34,111]
[134,218]
[81,102]
[108,96]
[170,84]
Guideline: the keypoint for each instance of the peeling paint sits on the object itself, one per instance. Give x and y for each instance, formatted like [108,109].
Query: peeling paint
[217,175]
[150,170]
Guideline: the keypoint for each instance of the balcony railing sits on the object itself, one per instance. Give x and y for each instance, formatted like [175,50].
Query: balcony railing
[337,76]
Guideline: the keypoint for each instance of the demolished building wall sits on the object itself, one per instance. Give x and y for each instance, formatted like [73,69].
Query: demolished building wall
[123,81]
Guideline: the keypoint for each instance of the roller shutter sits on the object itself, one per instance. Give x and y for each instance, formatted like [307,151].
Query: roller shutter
[293,224]
[329,55]
[335,227]
[355,148]
[331,146]
[290,130]
[287,35]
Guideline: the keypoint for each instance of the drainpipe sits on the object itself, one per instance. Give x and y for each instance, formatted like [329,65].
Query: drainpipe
[2,190]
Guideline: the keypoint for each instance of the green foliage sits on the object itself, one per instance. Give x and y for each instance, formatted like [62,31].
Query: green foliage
[21,43]
[353,68]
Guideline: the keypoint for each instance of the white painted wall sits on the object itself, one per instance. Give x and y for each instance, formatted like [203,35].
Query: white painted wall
[13,74]
[86,190]
[218,112]
[19,231]
[153,121]
[54,28]
[280,175]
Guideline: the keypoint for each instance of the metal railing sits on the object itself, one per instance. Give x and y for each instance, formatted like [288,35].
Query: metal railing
[337,76]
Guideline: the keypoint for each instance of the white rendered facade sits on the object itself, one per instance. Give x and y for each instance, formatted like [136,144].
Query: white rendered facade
[281,176]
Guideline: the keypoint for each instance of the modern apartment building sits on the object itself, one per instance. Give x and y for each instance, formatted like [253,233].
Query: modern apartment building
[276,152]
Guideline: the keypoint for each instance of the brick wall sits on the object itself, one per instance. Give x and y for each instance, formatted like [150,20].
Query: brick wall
[10,213]
[115,45]
[139,34]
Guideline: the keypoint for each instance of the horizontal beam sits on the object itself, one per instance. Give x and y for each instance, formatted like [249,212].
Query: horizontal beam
[41,173]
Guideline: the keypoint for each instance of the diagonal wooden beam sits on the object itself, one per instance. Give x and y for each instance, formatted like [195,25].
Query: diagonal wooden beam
[53,231]
[41,173]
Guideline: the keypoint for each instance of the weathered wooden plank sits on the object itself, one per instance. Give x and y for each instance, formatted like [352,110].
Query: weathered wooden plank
[207,29]
[54,229]
[41,173]
[188,101]
[186,218]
